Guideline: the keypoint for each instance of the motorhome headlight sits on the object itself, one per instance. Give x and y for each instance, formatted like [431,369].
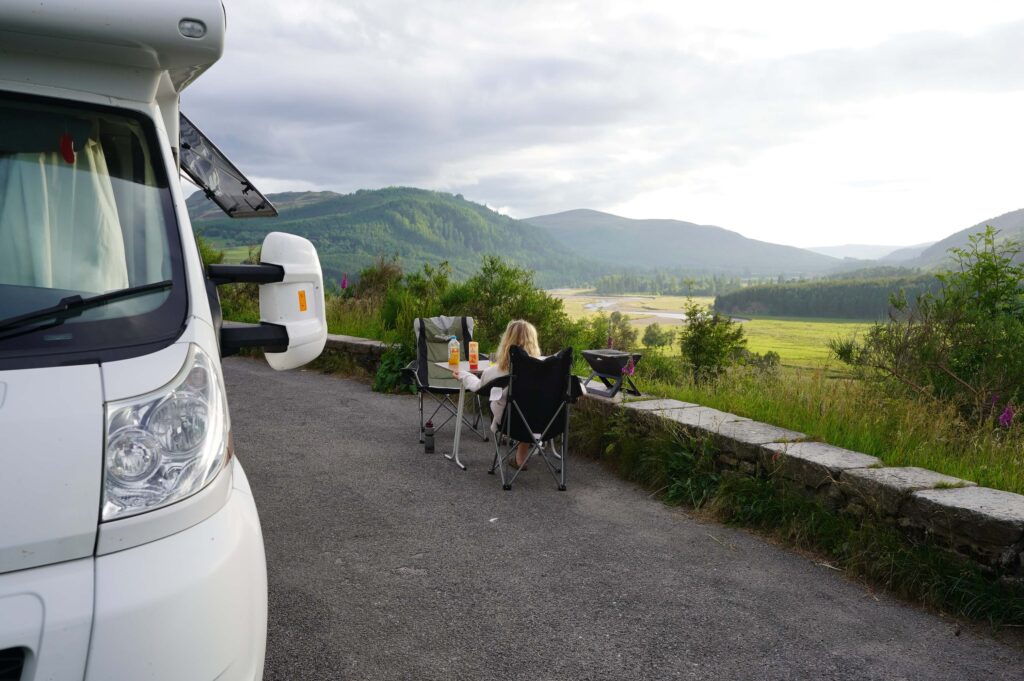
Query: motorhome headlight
[167,445]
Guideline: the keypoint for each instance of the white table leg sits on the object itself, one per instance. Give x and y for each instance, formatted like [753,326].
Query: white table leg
[454,456]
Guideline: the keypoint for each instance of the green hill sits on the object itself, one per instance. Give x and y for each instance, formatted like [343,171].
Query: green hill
[350,231]
[677,245]
[1011,226]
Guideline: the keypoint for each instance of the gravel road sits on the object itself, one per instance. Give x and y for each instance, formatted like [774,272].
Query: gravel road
[386,563]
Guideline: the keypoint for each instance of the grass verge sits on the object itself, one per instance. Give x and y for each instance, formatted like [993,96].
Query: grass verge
[682,471]
[857,415]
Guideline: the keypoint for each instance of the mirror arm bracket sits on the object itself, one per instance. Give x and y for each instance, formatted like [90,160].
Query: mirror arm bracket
[263,273]
[270,337]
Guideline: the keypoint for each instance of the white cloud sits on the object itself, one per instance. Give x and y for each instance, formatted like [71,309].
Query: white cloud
[804,123]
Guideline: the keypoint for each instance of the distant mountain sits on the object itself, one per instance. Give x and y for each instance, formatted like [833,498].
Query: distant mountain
[1011,226]
[908,253]
[858,251]
[350,231]
[677,245]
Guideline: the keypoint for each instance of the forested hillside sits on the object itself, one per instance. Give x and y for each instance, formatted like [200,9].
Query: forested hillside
[834,298]
[678,245]
[1010,226]
[351,231]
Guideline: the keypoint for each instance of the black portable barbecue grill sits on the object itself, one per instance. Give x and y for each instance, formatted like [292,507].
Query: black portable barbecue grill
[610,366]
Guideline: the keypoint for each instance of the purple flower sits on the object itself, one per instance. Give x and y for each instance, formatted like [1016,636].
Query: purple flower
[344,281]
[629,368]
[609,342]
[1006,418]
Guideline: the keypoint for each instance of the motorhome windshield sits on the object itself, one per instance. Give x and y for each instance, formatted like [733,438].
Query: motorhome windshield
[85,211]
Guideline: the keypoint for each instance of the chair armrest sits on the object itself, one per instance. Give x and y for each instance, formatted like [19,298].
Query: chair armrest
[499,382]
[408,375]
[576,389]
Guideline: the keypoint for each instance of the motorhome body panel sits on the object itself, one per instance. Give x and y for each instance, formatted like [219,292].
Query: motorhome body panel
[148,38]
[48,612]
[51,455]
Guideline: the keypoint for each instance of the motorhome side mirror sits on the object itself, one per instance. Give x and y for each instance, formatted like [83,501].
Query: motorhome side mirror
[296,302]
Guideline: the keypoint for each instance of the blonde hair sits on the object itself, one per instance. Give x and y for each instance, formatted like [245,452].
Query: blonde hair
[518,332]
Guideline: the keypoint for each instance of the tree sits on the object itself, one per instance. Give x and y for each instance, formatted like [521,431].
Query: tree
[709,341]
[657,337]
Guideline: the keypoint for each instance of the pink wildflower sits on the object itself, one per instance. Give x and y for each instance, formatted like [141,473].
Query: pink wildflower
[344,281]
[1006,418]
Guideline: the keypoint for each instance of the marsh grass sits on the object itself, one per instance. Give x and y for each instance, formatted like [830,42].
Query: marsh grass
[681,470]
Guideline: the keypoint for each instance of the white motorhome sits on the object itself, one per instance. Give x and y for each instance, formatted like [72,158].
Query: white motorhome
[130,546]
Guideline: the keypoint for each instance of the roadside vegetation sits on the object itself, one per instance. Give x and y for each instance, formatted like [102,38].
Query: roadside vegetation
[952,407]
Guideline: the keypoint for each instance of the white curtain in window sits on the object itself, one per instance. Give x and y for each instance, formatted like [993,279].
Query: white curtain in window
[59,225]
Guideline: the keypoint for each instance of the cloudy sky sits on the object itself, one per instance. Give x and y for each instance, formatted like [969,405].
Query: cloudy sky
[803,123]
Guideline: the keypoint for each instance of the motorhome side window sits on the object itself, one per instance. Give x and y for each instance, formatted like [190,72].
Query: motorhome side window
[89,256]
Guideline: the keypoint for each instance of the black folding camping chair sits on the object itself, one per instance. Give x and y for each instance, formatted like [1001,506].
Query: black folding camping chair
[540,391]
[432,334]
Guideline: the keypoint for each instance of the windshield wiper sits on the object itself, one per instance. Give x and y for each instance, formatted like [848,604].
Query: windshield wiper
[70,307]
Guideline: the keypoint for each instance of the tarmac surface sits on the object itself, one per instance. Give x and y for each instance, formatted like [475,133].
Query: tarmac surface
[387,563]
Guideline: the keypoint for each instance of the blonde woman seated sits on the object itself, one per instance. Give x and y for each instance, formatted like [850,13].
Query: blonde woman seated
[523,334]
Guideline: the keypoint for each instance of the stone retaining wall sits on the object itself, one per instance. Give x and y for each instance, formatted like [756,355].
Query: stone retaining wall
[363,351]
[983,524]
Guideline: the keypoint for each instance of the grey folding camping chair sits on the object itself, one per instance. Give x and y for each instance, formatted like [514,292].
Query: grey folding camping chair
[540,391]
[432,334]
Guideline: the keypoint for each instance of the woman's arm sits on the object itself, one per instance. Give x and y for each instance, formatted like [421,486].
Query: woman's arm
[469,381]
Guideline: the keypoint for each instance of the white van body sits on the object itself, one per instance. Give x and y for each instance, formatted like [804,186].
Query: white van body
[130,546]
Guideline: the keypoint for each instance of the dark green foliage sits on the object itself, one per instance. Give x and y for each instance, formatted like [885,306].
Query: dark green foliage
[500,292]
[768,361]
[830,298]
[351,231]
[497,294]
[961,344]
[656,336]
[389,376]
[661,368]
[375,281]
[667,284]
[879,272]
[709,342]
[207,253]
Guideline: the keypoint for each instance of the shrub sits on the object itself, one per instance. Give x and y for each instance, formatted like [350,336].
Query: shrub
[655,336]
[960,344]
[709,341]
[375,281]
[208,254]
[501,292]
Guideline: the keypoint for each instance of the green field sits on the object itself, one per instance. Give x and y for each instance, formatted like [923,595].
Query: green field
[799,342]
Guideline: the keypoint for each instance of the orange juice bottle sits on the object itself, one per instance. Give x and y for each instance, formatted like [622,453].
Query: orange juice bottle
[474,355]
[453,352]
